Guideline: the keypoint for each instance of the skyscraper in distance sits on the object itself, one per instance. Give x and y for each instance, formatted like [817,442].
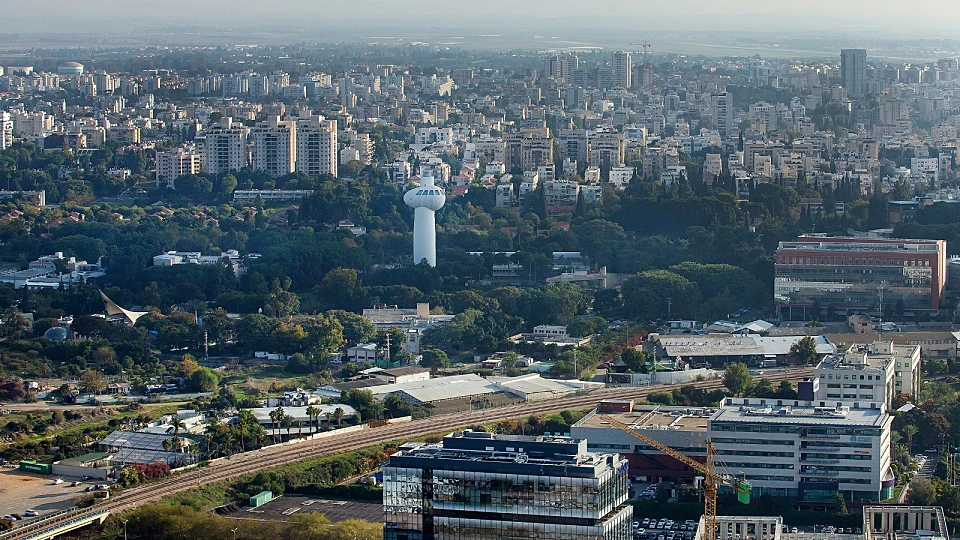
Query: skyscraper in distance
[853,71]
[622,70]
[425,200]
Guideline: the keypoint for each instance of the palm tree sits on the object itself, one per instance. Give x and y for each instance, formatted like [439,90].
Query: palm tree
[328,415]
[287,422]
[376,409]
[313,413]
[910,430]
[166,448]
[275,416]
[245,418]
[338,414]
[176,424]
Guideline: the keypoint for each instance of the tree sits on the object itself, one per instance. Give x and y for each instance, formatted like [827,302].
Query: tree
[803,352]
[922,492]
[909,430]
[356,328]
[657,294]
[188,365]
[204,379]
[314,414]
[737,379]
[93,381]
[276,416]
[176,424]
[634,359]
[338,415]
[434,359]
[841,504]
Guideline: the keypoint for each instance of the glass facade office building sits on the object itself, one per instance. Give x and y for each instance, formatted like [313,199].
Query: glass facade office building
[476,485]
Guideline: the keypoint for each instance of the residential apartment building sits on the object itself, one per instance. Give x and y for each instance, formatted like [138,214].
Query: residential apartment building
[853,71]
[274,145]
[225,147]
[722,103]
[317,146]
[848,273]
[622,70]
[528,149]
[176,163]
[483,485]
[606,150]
[6,130]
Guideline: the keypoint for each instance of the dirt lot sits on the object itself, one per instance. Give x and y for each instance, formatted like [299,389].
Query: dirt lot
[20,490]
[335,510]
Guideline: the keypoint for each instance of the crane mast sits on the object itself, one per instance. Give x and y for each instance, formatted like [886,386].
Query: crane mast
[711,479]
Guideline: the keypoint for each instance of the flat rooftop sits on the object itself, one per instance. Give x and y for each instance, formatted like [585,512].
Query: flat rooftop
[657,417]
[766,411]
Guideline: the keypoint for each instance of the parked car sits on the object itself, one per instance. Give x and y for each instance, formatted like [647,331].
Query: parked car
[29,512]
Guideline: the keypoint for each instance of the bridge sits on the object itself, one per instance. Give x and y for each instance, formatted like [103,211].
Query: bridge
[56,524]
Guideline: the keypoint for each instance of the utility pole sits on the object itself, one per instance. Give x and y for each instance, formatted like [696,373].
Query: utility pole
[669,307]
[206,346]
[880,333]
[387,355]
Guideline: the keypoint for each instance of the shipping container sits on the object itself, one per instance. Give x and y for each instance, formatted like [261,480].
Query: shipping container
[261,499]
[33,466]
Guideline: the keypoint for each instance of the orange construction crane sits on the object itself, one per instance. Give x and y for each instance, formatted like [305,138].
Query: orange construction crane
[711,479]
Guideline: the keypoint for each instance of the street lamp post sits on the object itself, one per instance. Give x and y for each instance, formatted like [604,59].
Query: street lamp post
[125,529]
[235,532]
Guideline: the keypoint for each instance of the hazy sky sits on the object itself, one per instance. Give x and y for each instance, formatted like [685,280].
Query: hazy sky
[919,18]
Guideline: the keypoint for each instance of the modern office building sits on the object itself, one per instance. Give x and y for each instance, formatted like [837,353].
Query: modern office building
[176,163]
[476,485]
[225,148]
[317,146]
[853,71]
[622,70]
[874,372]
[808,450]
[274,145]
[856,376]
[848,273]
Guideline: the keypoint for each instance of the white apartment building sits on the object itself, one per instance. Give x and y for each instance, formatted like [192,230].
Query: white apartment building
[560,192]
[723,111]
[6,130]
[317,146]
[274,145]
[807,450]
[856,376]
[176,163]
[226,147]
[620,177]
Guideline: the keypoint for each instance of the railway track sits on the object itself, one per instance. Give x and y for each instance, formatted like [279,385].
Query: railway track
[263,459]
[258,460]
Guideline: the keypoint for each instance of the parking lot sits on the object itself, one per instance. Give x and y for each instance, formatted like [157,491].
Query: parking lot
[20,491]
[663,529]
[335,510]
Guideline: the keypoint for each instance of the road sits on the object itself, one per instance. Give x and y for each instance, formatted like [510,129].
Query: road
[263,459]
